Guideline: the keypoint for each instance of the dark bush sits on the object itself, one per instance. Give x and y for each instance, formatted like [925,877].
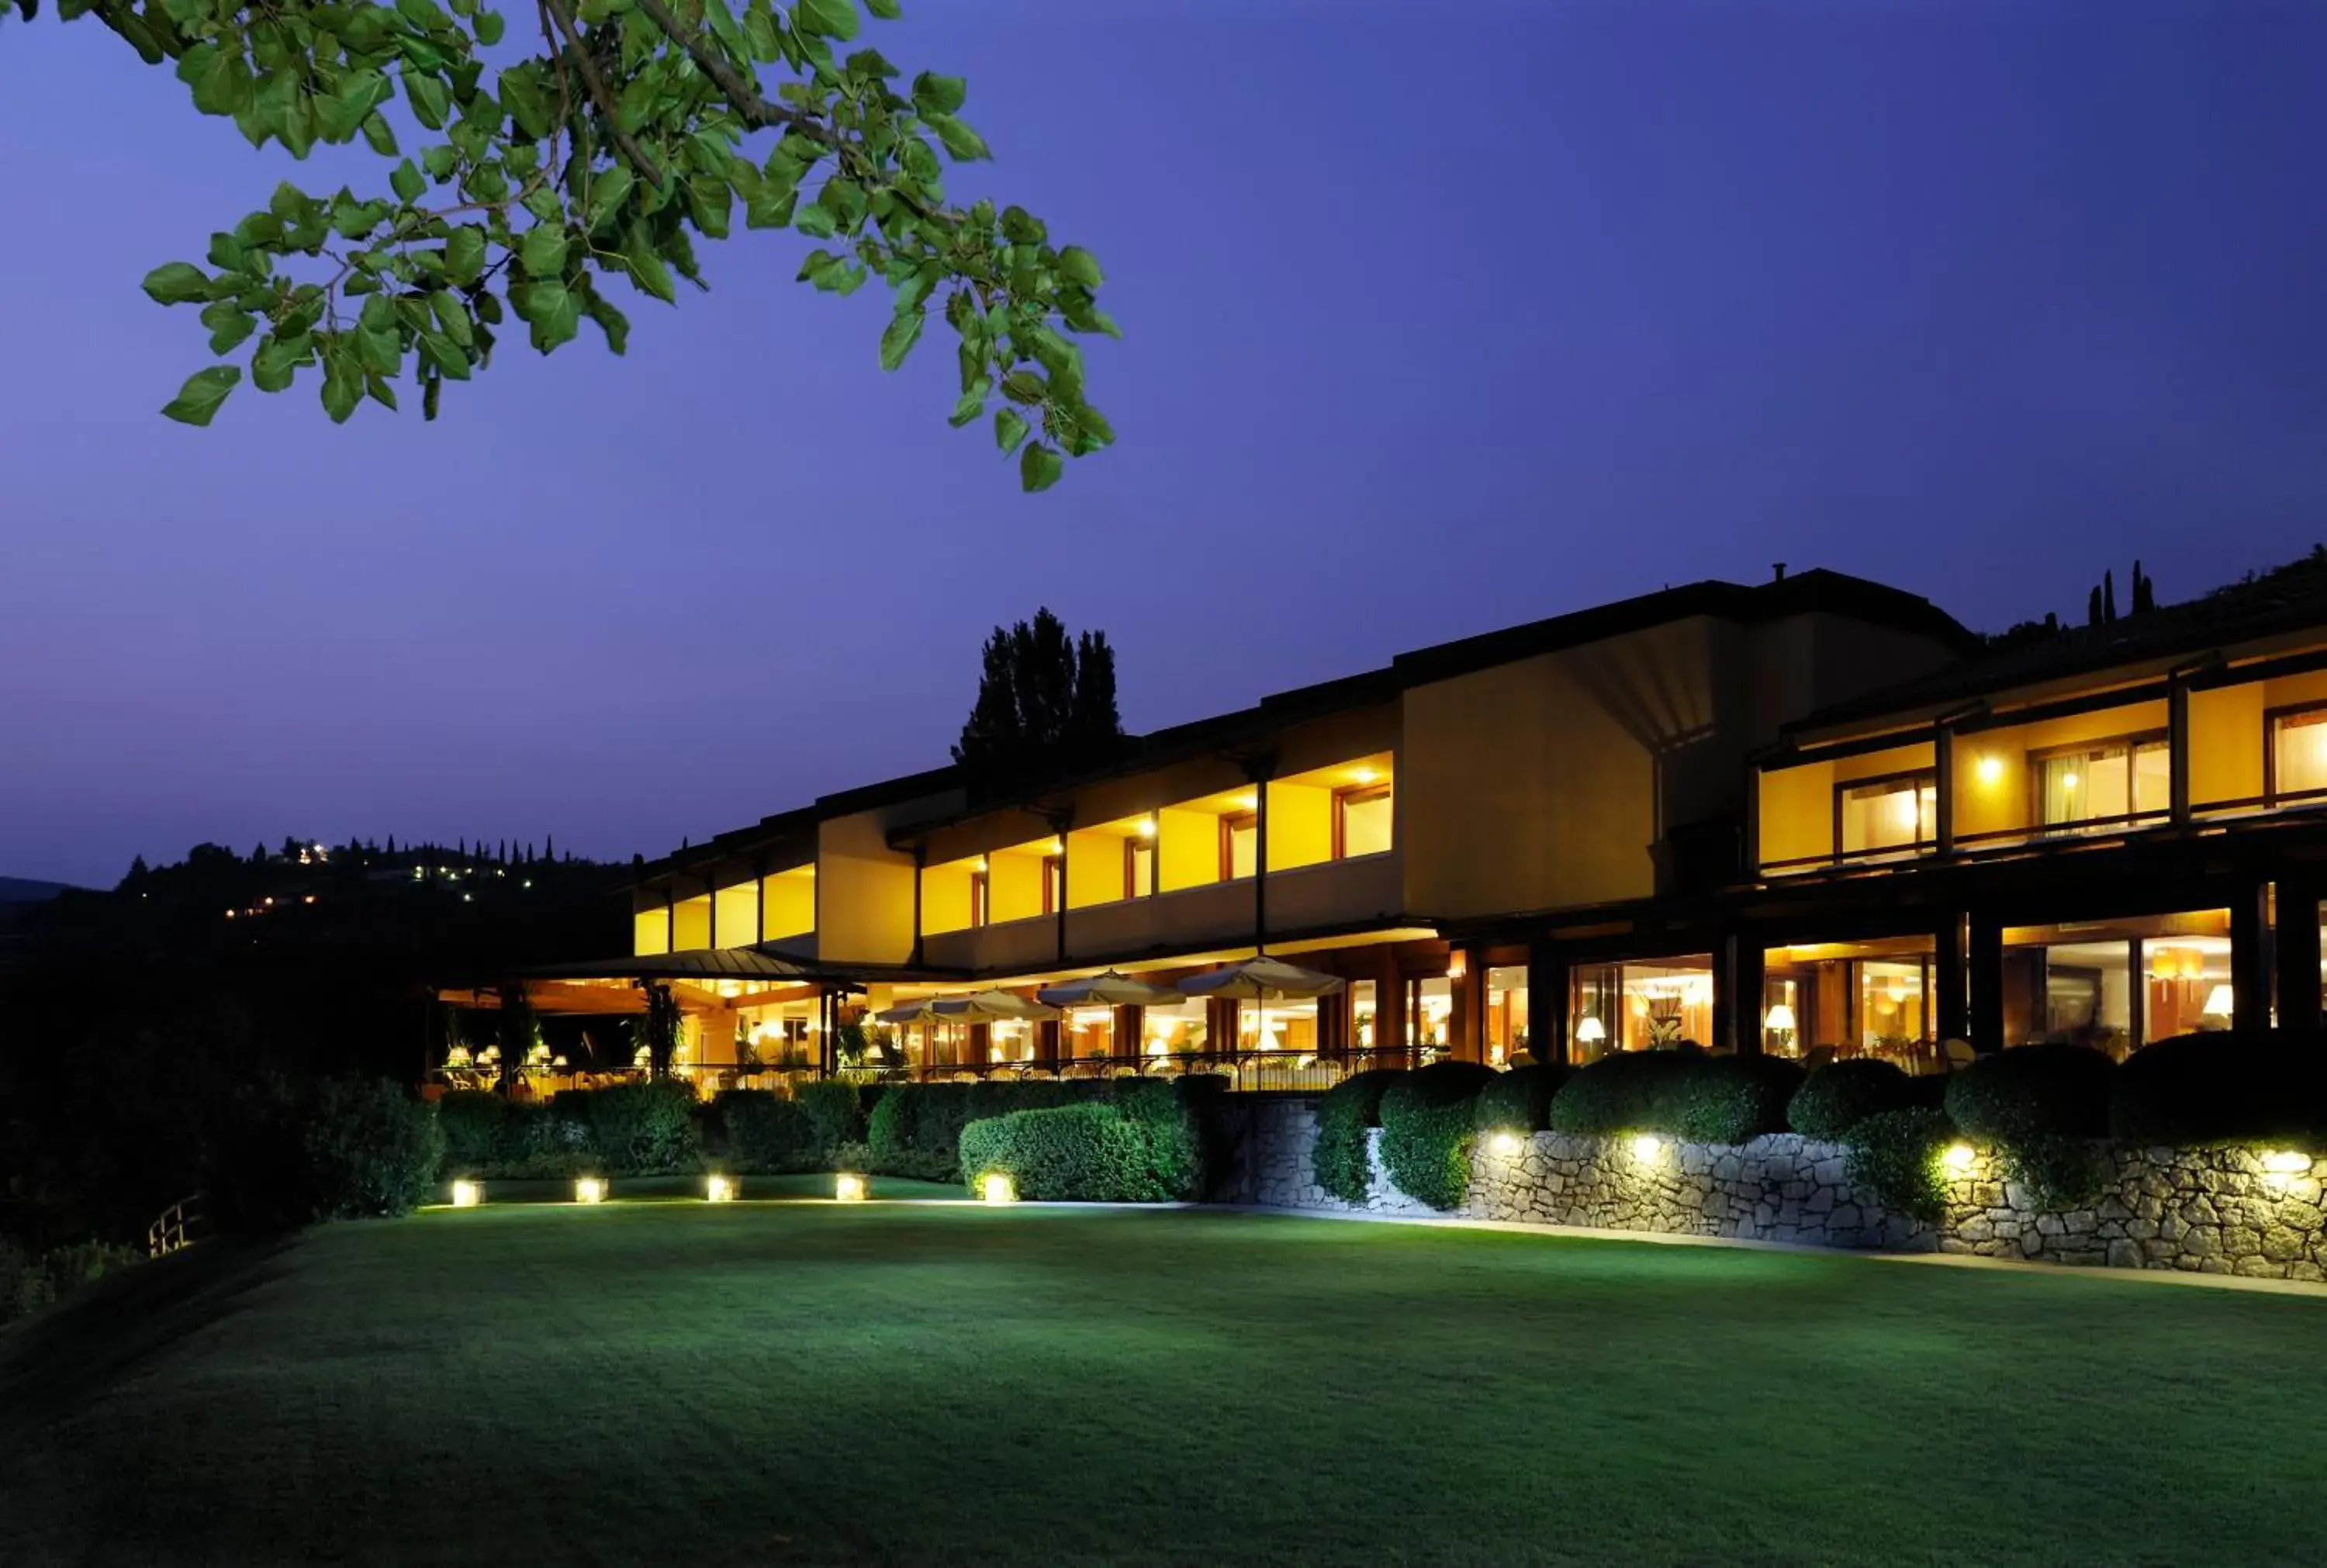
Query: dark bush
[1734,1100]
[1338,1159]
[833,1111]
[1895,1156]
[371,1148]
[2222,1087]
[766,1133]
[2033,1089]
[473,1120]
[1177,1115]
[1428,1129]
[1090,1152]
[2054,1172]
[916,1131]
[551,1140]
[1840,1094]
[642,1129]
[1633,1091]
[1519,1100]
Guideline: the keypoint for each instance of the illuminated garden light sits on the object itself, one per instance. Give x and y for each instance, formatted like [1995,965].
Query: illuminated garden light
[719,1190]
[848,1188]
[467,1194]
[589,1190]
[996,1188]
[1957,1157]
[1505,1143]
[1647,1146]
[2286,1162]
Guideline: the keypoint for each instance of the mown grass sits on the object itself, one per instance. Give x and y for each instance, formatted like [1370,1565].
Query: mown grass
[792,1383]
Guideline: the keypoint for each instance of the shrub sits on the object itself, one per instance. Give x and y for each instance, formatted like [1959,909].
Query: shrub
[2033,1089]
[1840,1094]
[643,1129]
[1338,1159]
[1174,1113]
[1519,1100]
[833,1111]
[1732,1099]
[1633,1091]
[2213,1088]
[25,1285]
[1427,1119]
[371,1149]
[2054,1172]
[547,1141]
[765,1132]
[81,1263]
[1895,1156]
[1089,1151]
[474,1124]
[916,1130]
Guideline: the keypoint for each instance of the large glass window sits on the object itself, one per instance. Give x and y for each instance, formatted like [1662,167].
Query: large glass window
[1429,1010]
[1899,813]
[2116,986]
[1507,1014]
[1362,821]
[2105,785]
[1285,1024]
[1175,1028]
[1361,1015]
[1828,999]
[1090,1033]
[1138,867]
[1646,1005]
[2298,754]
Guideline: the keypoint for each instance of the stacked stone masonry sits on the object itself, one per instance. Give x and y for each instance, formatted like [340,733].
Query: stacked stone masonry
[2204,1210]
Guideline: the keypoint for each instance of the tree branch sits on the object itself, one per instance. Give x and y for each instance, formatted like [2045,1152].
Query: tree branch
[738,88]
[598,93]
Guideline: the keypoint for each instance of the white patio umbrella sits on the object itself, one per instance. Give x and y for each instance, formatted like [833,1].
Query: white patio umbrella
[1258,979]
[1107,990]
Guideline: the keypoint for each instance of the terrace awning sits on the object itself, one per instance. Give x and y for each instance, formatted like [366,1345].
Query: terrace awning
[1262,979]
[713,963]
[982,1007]
[1107,990]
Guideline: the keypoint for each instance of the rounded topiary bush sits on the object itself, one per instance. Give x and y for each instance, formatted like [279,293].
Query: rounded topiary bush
[1633,1091]
[2033,1090]
[1426,1121]
[1895,1156]
[1732,1099]
[1086,1152]
[2221,1087]
[1338,1159]
[1519,1100]
[1837,1097]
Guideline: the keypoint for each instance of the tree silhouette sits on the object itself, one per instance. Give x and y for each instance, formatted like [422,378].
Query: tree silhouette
[1046,704]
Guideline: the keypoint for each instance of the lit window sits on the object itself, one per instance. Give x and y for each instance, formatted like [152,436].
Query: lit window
[976,897]
[1239,846]
[2104,786]
[1054,883]
[1889,814]
[1362,821]
[2298,749]
[1138,867]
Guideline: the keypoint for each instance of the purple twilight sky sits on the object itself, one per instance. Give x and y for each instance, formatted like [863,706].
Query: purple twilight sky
[1440,318]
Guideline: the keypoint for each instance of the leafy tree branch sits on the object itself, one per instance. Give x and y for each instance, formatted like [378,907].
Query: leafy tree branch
[640,126]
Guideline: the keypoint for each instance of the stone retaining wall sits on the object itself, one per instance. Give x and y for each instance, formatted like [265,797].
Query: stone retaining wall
[2213,1211]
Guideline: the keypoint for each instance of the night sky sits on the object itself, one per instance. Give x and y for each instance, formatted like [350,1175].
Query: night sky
[1431,328]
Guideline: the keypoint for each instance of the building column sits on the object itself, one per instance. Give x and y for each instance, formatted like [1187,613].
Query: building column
[1466,1031]
[1389,1005]
[1943,761]
[2177,747]
[1983,976]
[1549,1025]
[1737,995]
[2251,963]
[1128,1036]
[1950,975]
[2296,936]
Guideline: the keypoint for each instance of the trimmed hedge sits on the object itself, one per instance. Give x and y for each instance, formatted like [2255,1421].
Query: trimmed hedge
[834,1110]
[1896,1155]
[1519,1100]
[2222,1087]
[1633,1091]
[1734,1100]
[1338,1158]
[1089,1152]
[1840,1094]
[640,1129]
[766,1133]
[371,1148]
[2032,1090]
[915,1129]
[1427,1121]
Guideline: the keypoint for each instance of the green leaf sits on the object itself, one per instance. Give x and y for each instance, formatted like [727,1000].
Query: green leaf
[938,95]
[1022,387]
[175,283]
[342,390]
[379,135]
[711,203]
[441,159]
[522,96]
[898,341]
[221,81]
[1081,265]
[453,317]
[277,360]
[767,207]
[432,392]
[966,144]
[407,182]
[431,99]
[490,25]
[647,268]
[611,321]
[816,221]
[228,323]
[543,251]
[445,355]
[1009,429]
[611,188]
[464,254]
[972,403]
[196,402]
[826,18]
[1038,469]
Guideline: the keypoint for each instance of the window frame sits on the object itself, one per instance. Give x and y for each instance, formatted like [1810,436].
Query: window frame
[1134,844]
[2131,744]
[2272,718]
[980,905]
[1350,795]
[1054,882]
[1916,778]
[1231,822]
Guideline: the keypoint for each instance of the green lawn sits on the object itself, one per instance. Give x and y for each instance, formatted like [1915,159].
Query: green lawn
[792,1383]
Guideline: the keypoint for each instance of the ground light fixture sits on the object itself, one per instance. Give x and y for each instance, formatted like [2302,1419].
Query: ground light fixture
[1645,1147]
[2280,1167]
[719,1190]
[1505,1143]
[1957,1157]
[994,1187]
[467,1194]
[848,1188]
[589,1190]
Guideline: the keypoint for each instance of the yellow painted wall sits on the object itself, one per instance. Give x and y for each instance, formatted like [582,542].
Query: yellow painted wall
[1014,885]
[738,909]
[1300,826]
[865,891]
[2226,737]
[788,903]
[2003,804]
[691,924]
[1797,810]
[650,932]
[1094,867]
[1187,849]
[945,896]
